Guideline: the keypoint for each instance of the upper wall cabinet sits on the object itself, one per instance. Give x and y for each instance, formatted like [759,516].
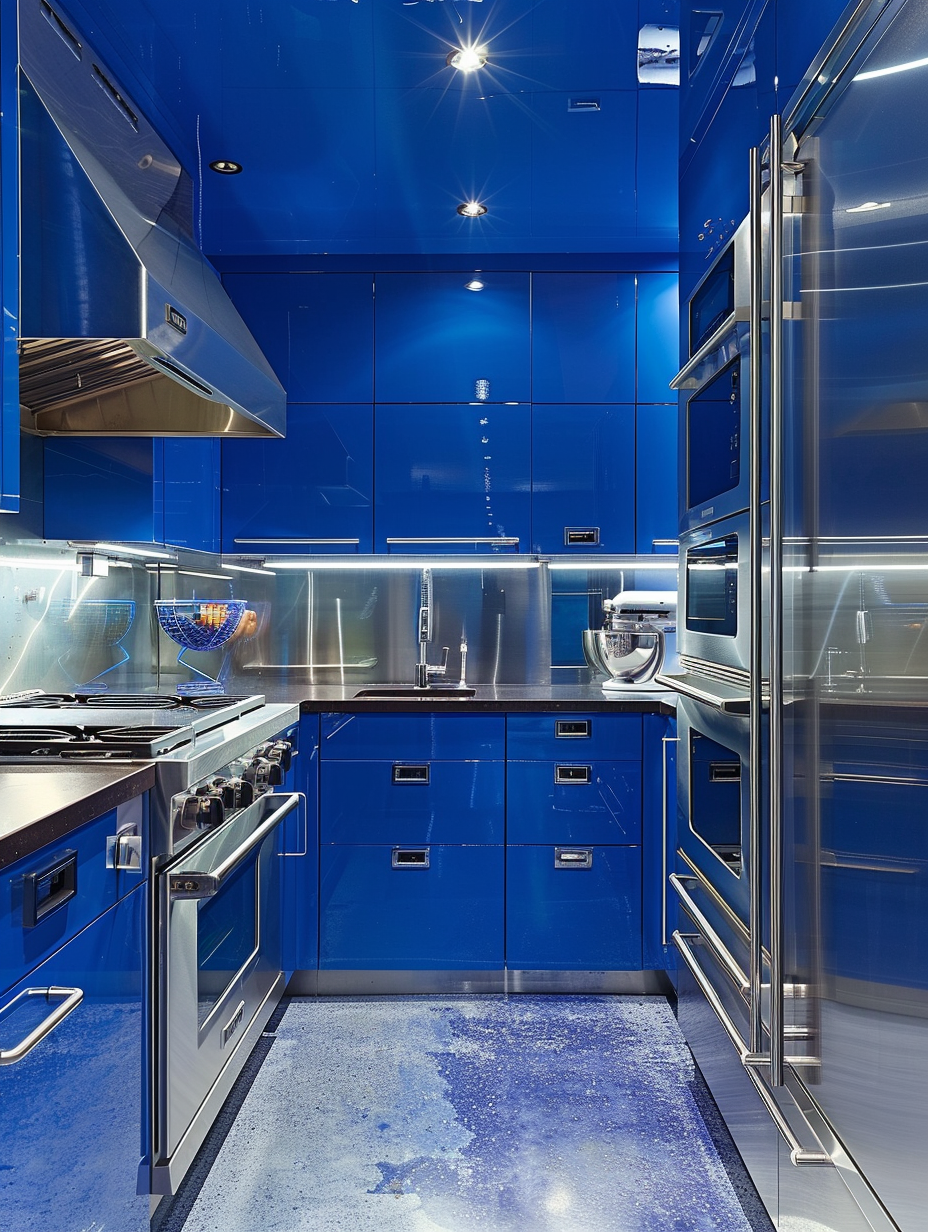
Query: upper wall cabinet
[317,331]
[135,489]
[583,478]
[9,265]
[452,478]
[658,328]
[312,492]
[457,337]
[583,337]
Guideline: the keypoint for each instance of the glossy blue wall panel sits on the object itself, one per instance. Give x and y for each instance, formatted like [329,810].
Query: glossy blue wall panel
[264,303]
[435,338]
[448,916]
[413,737]
[71,1110]
[613,737]
[316,483]
[573,919]
[583,475]
[657,505]
[605,810]
[656,175]
[300,880]
[9,265]
[97,888]
[452,472]
[658,777]
[801,30]
[463,802]
[104,488]
[585,157]
[658,349]
[191,493]
[583,337]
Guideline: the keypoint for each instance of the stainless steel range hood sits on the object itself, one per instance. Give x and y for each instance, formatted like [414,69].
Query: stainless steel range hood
[126,329]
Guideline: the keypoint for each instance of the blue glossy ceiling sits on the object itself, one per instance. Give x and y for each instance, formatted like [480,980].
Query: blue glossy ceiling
[356,137]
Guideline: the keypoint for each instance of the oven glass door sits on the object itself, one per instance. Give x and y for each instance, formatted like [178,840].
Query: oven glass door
[228,934]
[712,587]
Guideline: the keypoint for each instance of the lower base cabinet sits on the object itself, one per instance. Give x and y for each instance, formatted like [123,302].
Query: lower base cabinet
[573,908]
[71,1110]
[422,907]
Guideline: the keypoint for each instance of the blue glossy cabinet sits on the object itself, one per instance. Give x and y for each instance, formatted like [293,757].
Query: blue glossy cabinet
[451,478]
[436,339]
[659,787]
[657,502]
[311,492]
[71,1109]
[73,957]
[583,337]
[574,842]
[317,331]
[656,344]
[136,489]
[412,829]
[9,264]
[583,478]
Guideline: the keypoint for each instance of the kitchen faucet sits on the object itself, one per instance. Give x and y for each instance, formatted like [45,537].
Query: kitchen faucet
[427,672]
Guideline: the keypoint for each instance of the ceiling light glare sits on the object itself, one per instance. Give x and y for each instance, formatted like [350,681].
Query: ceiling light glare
[868,206]
[474,285]
[467,59]
[225,166]
[471,209]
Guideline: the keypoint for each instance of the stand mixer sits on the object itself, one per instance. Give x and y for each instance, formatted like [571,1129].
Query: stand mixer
[638,639]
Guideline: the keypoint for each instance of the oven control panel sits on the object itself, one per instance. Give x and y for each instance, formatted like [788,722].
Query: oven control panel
[207,804]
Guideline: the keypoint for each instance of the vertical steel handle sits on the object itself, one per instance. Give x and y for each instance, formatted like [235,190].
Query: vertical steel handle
[665,808]
[776,603]
[756,540]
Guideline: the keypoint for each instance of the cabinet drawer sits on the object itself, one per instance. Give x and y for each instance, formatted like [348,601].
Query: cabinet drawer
[581,914]
[413,737]
[61,888]
[574,737]
[413,802]
[573,802]
[427,908]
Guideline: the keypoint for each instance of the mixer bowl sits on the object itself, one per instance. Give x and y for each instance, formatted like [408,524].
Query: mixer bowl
[631,654]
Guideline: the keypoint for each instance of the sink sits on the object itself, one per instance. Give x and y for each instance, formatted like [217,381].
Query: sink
[449,693]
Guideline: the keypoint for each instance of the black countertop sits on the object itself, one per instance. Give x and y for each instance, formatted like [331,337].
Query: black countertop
[488,699]
[42,804]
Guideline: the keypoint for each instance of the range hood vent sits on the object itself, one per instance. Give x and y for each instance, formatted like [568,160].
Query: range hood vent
[126,329]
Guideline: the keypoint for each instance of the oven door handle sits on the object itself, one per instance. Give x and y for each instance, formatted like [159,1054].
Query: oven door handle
[206,885]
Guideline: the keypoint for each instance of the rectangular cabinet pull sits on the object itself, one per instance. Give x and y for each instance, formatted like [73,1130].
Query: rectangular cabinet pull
[573,729]
[577,775]
[410,857]
[411,774]
[573,857]
[49,888]
[581,536]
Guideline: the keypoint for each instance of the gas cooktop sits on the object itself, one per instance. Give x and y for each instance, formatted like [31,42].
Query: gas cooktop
[34,699]
[98,743]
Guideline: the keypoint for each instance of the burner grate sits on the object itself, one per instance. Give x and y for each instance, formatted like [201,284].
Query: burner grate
[126,735]
[46,735]
[129,701]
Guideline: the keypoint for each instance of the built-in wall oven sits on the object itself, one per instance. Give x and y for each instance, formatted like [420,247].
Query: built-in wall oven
[714,385]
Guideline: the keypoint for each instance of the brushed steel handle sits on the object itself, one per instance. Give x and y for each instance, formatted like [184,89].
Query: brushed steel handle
[573,857]
[70,999]
[721,951]
[49,887]
[665,805]
[345,542]
[193,885]
[573,729]
[410,857]
[575,776]
[411,774]
[495,540]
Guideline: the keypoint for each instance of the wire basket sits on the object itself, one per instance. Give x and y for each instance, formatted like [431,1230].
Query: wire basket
[200,624]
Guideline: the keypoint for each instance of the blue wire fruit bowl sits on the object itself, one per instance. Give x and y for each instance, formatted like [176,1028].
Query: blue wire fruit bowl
[200,624]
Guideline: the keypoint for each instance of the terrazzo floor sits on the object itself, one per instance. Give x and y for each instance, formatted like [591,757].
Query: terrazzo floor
[445,1114]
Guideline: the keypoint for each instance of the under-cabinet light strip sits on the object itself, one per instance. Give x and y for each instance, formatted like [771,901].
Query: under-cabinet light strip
[372,562]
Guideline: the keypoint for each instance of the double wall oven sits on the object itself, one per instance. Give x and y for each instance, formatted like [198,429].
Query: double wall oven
[222,820]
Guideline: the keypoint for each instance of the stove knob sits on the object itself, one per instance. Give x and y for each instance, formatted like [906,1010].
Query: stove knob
[279,751]
[258,774]
[203,810]
[242,792]
[225,789]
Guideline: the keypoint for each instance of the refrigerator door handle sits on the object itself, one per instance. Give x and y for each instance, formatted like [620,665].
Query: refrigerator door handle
[800,1156]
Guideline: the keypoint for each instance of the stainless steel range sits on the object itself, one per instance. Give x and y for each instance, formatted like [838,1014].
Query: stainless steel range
[217,834]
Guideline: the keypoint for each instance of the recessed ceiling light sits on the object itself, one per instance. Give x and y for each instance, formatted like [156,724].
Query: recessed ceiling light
[467,59]
[225,166]
[474,285]
[471,209]
[868,206]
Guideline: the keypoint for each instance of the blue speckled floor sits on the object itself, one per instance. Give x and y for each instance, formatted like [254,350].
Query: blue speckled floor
[445,1114]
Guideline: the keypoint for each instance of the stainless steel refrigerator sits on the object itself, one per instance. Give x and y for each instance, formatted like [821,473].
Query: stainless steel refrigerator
[802,844]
